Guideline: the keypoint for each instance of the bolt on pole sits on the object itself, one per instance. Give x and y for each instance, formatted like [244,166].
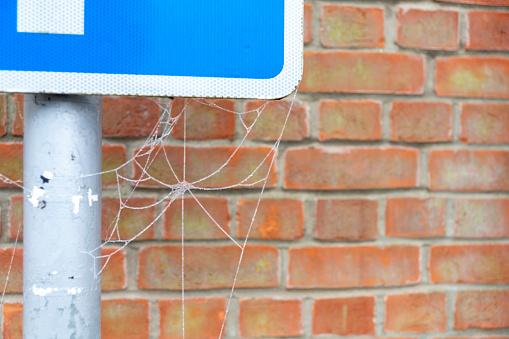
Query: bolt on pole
[62,217]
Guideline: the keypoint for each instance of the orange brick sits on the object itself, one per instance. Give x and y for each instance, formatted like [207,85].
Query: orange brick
[12,326]
[487,31]
[481,309]
[207,267]
[415,218]
[113,157]
[308,23]
[11,165]
[129,117]
[415,313]
[359,266]
[270,318]
[128,223]
[276,219]
[362,72]
[348,26]
[203,318]
[124,318]
[480,2]
[344,316]
[17,125]
[469,170]
[271,121]
[114,275]
[474,264]
[421,121]
[481,77]
[15,284]
[428,29]
[197,224]
[350,120]
[481,218]
[16,217]
[349,219]
[204,161]
[484,123]
[3,115]
[205,119]
[334,168]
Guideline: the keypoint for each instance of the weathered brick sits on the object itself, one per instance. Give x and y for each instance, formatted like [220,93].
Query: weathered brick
[344,316]
[204,119]
[476,337]
[484,123]
[480,2]
[204,161]
[16,217]
[415,313]
[350,120]
[487,31]
[360,266]
[271,121]
[475,264]
[349,219]
[469,170]
[351,168]
[113,157]
[481,218]
[114,275]
[124,318]
[207,267]
[270,318]
[15,284]
[11,166]
[415,218]
[481,309]
[362,72]
[12,326]
[17,125]
[203,318]
[482,77]
[349,26]
[129,117]
[428,29]
[197,224]
[128,223]
[308,23]
[3,115]
[421,121]
[276,219]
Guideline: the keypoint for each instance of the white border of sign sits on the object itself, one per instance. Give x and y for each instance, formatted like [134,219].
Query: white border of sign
[173,86]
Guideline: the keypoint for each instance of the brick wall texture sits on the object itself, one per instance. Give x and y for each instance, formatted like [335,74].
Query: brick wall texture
[386,214]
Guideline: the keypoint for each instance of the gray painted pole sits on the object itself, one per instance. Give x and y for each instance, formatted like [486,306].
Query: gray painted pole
[62,217]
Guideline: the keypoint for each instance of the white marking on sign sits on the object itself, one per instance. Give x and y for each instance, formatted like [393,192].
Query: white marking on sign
[91,197]
[51,16]
[37,193]
[76,201]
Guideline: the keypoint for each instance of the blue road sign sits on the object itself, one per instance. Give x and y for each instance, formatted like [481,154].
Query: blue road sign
[221,48]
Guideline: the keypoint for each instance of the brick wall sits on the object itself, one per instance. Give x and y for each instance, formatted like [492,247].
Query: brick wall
[387,215]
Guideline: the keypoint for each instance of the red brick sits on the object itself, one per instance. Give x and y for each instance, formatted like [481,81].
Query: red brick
[348,26]
[487,31]
[197,224]
[480,2]
[415,218]
[481,218]
[15,284]
[421,121]
[484,123]
[271,121]
[476,337]
[114,275]
[124,318]
[276,219]
[469,170]
[128,223]
[359,266]
[308,23]
[12,326]
[3,115]
[474,264]
[350,120]
[344,316]
[349,219]
[481,309]
[113,157]
[11,166]
[207,267]
[482,77]
[270,318]
[17,125]
[129,117]
[205,119]
[16,217]
[428,29]
[415,313]
[204,161]
[203,318]
[351,168]
[362,72]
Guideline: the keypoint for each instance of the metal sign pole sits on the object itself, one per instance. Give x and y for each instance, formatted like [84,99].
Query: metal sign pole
[62,217]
